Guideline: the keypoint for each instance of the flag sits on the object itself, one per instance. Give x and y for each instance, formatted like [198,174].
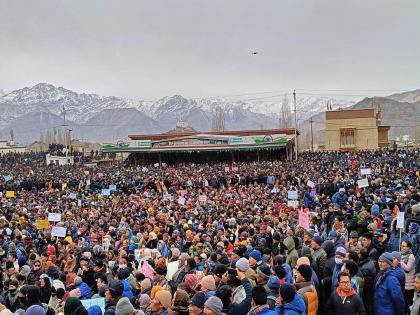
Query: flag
[31,172]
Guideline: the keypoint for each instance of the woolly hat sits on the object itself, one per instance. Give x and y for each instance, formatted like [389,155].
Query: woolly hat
[273,283]
[374,210]
[181,300]
[165,298]
[331,235]
[198,300]
[124,307]
[220,270]
[264,271]
[78,281]
[396,255]
[256,254]
[341,251]
[305,271]
[318,239]
[72,305]
[116,287]
[146,284]
[215,304]
[242,264]
[208,283]
[36,310]
[191,281]
[144,301]
[287,292]
[386,257]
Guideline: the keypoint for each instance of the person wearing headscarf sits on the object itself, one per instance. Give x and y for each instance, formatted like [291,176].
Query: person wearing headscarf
[45,289]
[73,306]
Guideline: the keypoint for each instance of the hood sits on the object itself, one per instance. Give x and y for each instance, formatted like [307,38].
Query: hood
[289,243]
[297,304]
[329,248]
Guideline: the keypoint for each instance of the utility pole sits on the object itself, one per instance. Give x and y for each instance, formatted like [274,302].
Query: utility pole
[296,144]
[312,138]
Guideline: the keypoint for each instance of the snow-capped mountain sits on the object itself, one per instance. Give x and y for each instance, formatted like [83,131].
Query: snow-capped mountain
[99,118]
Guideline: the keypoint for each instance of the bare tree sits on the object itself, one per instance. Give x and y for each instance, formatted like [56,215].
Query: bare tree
[285,113]
[218,123]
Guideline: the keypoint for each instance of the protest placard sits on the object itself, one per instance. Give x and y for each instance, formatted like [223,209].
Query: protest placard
[227,169]
[292,194]
[54,217]
[94,302]
[362,183]
[365,171]
[202,198]
[293,203]
[167,197]
[72,196]
[303,220]
[181,200]
[310,184]
[10,194]
[41,224]
[112,187]
[400,220]
[79,203]
[183,192]
[58,231]
[105,192]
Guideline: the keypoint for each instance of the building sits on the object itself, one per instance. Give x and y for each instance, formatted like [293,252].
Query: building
[59,160]
[11,147]
[355,129]
[177,147]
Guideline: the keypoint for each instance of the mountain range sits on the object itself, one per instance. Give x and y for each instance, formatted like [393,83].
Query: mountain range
[32,112]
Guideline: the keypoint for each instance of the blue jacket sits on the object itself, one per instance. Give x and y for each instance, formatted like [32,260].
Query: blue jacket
[388,298]
[85,291]
[267,312]
[394,241]
[295,307]
[127,289]
[340,199]
[398,273]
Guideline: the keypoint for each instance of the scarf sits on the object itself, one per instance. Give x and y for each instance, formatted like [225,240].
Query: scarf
[258,309]
[344,295]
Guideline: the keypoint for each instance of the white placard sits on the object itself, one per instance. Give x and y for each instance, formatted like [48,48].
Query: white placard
[54,217]
[310,184]
[202,198]
[293,203]
[181,200]
[58,231]
[365,171]
[72,196]
[167,197]
[79,203]
[292,194]
[156,165]
[400,220]
[362,183]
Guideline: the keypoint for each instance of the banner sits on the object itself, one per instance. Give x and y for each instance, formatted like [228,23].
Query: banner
[293,203]
[41,224]
[112,187]
[310,184]
[365,171]
[7,178]
[54,217]
[58,231]
[303,220]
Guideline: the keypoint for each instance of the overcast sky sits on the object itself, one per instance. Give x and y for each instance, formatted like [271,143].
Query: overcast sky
[197,48]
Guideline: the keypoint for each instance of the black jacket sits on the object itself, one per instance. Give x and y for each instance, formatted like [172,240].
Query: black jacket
[351,305]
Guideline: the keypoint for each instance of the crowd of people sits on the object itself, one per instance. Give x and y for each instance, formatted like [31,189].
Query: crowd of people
[212,239]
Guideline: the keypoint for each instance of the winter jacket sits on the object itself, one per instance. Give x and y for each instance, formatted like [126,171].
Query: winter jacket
[400,275]
[295,307]
[309,295]
[395,240]
[320,258]
[388,296]
[266,312]
[415,309]
[292,254]
[85,291]
[244,306]
[350,305]
[408,264]
[127,289]
[340,199]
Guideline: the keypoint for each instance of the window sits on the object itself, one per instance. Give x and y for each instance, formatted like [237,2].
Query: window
[347,138]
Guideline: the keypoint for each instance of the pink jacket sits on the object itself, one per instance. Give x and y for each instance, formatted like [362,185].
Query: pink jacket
[408,264]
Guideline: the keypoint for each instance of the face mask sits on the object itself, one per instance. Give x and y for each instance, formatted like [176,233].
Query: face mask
[122,266]
[338,261]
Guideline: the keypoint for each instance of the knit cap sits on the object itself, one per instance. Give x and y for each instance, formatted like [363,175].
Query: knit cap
[273,283]
[215,304]
[242,264]
[35,310]
[165,298]
[124,307]
[198,300]
[386,257]
[256,254]
[208,283]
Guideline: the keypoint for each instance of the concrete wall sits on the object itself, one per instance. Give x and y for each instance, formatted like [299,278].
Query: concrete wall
[366,133]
